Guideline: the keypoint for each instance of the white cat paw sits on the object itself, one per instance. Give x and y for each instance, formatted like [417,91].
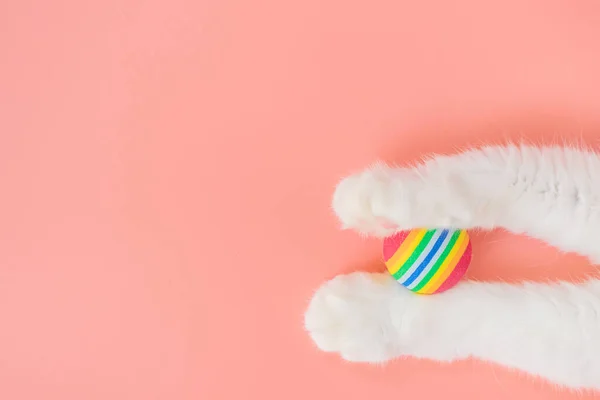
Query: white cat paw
[361,316]
[373,202]
[381,201]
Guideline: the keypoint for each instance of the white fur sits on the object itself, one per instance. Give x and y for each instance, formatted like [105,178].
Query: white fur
[548,330]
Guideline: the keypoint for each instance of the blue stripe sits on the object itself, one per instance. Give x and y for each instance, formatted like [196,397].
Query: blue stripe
[427,259]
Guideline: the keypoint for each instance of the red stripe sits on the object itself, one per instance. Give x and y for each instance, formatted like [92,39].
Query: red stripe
[392,243]
[458,272]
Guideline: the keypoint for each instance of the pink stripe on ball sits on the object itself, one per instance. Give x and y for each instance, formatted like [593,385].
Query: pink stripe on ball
[392,243]
[458,272]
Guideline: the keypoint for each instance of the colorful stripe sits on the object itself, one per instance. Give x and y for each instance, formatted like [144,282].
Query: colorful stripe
[406,248]
[424,258]
[428,261]
[438,263]
[448,264]
[414,256]
[458,271]
[449,237]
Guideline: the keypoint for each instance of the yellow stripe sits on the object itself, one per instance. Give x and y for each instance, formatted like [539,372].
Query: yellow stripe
[448,266]
[403,246]
[405,250]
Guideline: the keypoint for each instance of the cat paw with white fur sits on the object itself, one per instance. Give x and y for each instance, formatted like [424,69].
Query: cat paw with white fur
[372,202]
[383,200]
[364,317]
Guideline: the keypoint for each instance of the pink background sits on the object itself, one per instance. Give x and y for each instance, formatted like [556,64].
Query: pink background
[166,169]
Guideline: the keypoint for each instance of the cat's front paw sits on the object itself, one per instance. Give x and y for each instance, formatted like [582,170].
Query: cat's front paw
[365,317]
[381,201]
[373,202]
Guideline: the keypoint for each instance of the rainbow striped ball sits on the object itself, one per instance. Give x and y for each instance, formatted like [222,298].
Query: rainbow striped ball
[428,261]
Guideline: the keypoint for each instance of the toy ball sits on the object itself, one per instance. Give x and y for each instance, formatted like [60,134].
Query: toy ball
[428,261]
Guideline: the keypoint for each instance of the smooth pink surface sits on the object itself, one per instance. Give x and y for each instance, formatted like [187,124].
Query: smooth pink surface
[166,170]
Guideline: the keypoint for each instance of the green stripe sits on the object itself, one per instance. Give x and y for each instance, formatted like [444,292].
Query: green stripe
[415,254]
[439,262]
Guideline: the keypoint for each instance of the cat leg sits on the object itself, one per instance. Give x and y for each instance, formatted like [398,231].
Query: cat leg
[549,193]
[546,330]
